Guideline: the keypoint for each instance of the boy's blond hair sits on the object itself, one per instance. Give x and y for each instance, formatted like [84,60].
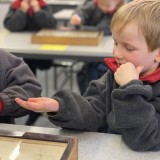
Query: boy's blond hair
[146,14]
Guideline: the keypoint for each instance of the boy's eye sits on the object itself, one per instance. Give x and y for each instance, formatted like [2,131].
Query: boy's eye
[129,48]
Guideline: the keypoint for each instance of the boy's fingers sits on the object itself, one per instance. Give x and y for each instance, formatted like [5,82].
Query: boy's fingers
[140,69]
[27,105]
[33,99]
[18,100]
[21,102]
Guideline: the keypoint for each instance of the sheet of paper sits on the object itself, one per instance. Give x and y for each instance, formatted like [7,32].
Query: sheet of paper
[54,47]
[23,149]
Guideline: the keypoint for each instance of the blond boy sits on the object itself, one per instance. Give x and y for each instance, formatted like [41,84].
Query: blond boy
[126,100]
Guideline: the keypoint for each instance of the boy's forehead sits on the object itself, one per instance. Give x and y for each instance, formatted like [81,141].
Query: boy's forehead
[120,26]
[129,31]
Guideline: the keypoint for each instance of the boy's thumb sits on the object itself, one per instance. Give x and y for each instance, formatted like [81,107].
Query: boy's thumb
[139,69]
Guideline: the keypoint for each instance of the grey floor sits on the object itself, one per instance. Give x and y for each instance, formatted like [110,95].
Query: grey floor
[41,76]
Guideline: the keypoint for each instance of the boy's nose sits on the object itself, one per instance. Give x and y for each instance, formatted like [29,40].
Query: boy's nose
[117,53]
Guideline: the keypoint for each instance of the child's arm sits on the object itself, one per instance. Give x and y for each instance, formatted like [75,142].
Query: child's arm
[41,104]
[83,14]
[15,20]
[135,109]
[104,25]
[17,80]
[88,112]
[77,112]
[44,18]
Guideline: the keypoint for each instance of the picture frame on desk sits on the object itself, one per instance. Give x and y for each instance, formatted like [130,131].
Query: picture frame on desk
[30,146]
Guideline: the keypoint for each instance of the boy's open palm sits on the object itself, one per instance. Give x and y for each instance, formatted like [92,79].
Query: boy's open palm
[41,104]
[126,73]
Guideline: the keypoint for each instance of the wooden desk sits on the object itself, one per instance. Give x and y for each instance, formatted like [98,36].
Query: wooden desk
[92,145]
[20,45]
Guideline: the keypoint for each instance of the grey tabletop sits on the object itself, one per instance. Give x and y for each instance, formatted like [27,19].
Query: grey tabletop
[92,145]
[64,14]
[66,2]
[19,43]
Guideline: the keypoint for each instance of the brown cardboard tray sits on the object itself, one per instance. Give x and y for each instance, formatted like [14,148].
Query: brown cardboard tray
[74,37]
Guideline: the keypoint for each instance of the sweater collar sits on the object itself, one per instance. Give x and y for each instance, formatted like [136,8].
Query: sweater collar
[151,78]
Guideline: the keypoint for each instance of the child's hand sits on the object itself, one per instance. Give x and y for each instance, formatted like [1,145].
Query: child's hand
[75,20]
[41,104]
[35,5]
[127,72]
[24,6]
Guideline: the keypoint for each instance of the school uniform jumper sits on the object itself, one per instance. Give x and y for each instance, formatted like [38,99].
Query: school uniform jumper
[18,21]
[92,15]
[16,80]
[132,110]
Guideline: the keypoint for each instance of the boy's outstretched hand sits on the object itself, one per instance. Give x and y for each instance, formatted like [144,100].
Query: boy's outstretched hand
[41,104]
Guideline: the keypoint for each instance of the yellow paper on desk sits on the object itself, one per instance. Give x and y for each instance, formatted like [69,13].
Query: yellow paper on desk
[54,47]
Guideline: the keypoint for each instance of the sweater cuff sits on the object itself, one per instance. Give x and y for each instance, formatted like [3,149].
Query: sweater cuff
[1,105]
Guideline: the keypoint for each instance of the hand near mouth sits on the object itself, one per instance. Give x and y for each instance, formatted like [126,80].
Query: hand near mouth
[127,72]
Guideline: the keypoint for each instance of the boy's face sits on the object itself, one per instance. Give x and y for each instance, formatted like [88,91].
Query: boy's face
[130,46]
[108,5]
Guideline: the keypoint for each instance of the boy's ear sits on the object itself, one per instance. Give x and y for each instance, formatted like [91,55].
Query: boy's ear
[157,58]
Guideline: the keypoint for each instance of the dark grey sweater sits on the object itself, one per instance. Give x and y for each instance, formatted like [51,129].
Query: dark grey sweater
[132,110]
[16,81]
[92,16]
[16,20]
